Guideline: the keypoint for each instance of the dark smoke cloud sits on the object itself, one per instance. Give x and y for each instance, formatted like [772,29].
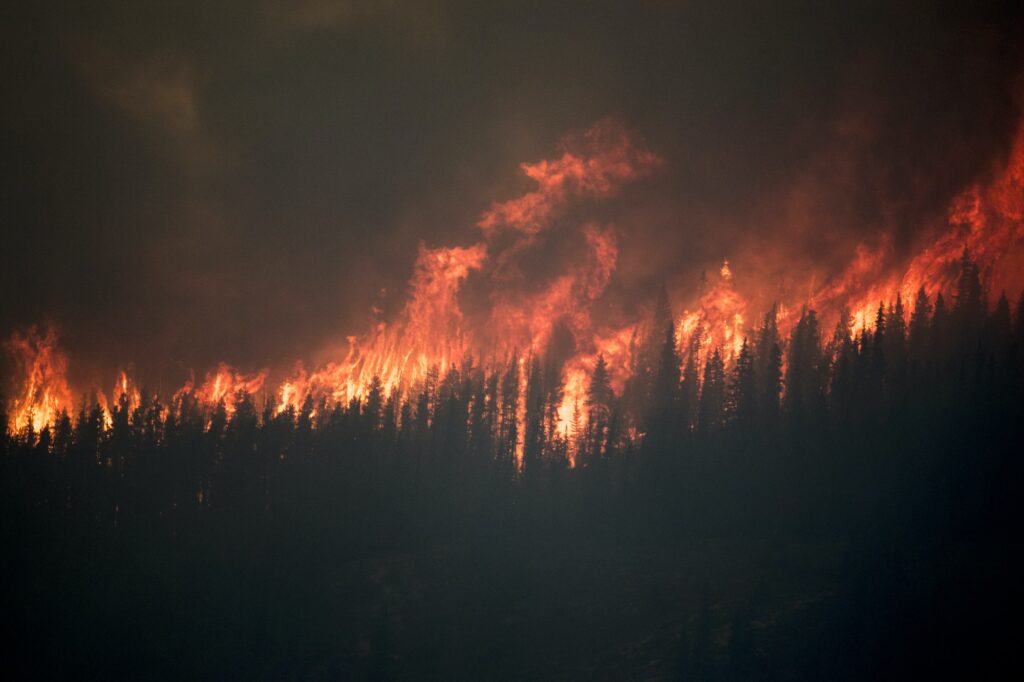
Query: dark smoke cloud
[191,182]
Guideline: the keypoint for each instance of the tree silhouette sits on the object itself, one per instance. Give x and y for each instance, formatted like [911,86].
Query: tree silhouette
[466,503]
[712,394]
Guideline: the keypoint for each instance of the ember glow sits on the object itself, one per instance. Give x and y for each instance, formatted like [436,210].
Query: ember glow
[405,339]
[434,332]
[44,393]
[223,385]
[515,319]
[718,320]
[986,220]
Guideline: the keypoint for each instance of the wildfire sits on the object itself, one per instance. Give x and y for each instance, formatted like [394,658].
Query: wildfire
[595,165]
[224,386]
[986,219]
[432,331]
[124,389]
[45,393]
[618,350]
[474,303]
[717,321]
[429,334]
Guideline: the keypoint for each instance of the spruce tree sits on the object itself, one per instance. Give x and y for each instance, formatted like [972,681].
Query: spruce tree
[664,404]
[768,367]
[920,324]
[690,391]
[533,436]
[599,407]
[803,368]
[712,395]
[742,396]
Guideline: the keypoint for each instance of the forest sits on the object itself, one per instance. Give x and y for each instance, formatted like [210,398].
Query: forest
[834,503]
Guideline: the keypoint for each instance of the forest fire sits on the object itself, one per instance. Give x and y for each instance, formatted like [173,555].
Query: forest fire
[985,220]
[452,340]
[125,391]
[553,318]
[44,392]
[223,387]
[433,333]
[718,321]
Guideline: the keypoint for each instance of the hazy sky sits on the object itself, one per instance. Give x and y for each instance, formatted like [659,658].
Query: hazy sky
[185,182]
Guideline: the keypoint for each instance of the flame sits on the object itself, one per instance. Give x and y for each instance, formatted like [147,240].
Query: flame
[717,321]
[429,334]
[124,388]
[45,393]
[223,386]
[432,333]
[475,302]
[986,219]
[616,347]
[594,165]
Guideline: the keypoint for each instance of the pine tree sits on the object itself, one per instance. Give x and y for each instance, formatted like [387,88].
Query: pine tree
[599,407]
[803,369]
[62,435]
[768,367]
[877,364]
[508,427]
[689,397]
[120,444]
[485,411]
[577,434]
[880,322]
[651,354]
[920,326]
[599,392]
[712,395]
[533,437]
[840,335]
[664,403]
[842,381]
[373,405]
[969,308]
[894,351]
[896,335]
[770,401]
[742,397]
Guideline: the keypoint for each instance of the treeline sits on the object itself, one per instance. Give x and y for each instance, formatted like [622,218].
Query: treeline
[488,435]
[904,435]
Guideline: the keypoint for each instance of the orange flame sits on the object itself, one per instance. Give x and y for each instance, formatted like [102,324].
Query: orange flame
[986,219]
[44,390]
[717,320]
[437,328]
[594,165]
[125,388]
[223,386]
[428,334]
[431,332]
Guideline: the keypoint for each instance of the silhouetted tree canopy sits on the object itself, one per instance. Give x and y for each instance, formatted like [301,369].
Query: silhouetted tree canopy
[899,439]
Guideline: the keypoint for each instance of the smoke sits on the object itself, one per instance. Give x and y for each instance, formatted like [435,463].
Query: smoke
[238,184]
[491,300]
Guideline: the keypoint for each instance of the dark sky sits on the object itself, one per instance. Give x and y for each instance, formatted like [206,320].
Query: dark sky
[187,182]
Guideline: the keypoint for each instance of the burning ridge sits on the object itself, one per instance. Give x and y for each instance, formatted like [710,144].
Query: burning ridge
[521,322]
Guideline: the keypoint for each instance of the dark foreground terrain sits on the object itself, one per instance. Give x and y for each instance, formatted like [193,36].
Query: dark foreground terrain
[865,523]
[286,604]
